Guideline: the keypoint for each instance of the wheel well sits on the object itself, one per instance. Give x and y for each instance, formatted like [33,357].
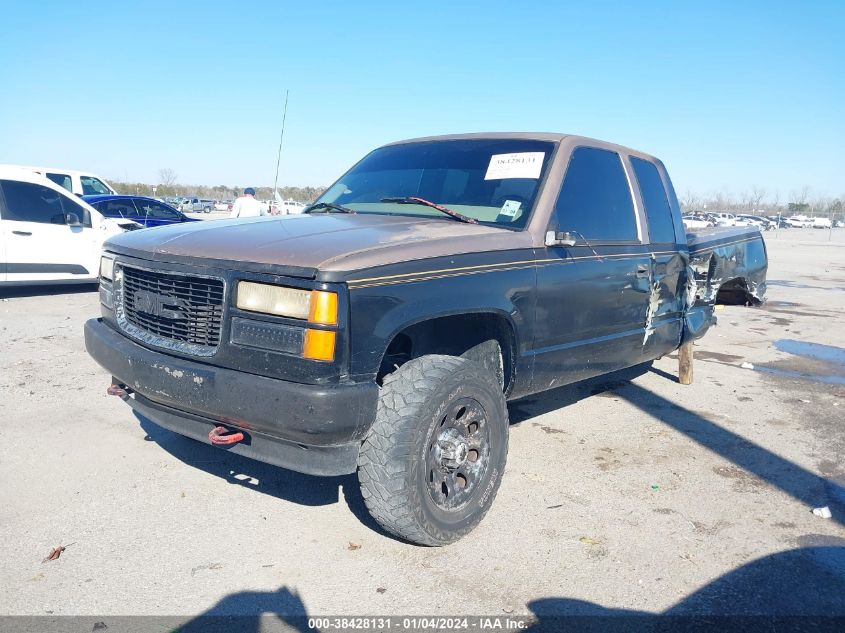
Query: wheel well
[484,337]
[735,292]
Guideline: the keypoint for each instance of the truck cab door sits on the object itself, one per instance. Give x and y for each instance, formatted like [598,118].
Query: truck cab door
[668,245]
[41,243]
[593,289]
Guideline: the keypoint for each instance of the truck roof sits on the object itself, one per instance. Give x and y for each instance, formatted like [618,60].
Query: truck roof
[555,137]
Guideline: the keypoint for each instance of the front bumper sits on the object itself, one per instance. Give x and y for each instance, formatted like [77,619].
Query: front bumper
[314,429]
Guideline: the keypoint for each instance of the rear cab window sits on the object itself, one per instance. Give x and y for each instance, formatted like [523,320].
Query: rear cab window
[595,199]
[661,227]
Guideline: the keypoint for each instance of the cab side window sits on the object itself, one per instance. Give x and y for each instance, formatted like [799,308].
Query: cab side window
[63,180]
[661,228]
[117,209]
[28,202]
[158,211]
[72,206]
[595,198]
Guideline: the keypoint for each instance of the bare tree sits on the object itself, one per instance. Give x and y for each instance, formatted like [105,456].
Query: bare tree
[690,201]
[801,196]
[167,177]
[756,196]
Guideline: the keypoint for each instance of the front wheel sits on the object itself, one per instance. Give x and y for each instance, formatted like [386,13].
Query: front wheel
[433,460]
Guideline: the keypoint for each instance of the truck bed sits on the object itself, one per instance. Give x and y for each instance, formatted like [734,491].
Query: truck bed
[728,266]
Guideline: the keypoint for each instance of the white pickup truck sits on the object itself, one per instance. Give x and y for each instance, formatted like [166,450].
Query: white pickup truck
[196,205]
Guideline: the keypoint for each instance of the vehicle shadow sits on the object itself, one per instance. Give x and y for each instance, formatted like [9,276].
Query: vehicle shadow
[803,485]
[548,401]
[15,292]
[287,485]
[799,589]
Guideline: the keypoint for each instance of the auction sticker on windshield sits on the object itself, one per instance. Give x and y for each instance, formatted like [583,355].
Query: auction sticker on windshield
[517,165]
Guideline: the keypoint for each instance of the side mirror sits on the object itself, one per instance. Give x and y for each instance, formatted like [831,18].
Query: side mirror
[560,238]
[72,219]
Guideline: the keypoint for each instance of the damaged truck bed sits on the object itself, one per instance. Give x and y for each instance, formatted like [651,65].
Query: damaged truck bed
[383,330]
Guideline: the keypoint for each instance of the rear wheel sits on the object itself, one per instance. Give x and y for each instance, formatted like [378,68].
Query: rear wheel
[432,463]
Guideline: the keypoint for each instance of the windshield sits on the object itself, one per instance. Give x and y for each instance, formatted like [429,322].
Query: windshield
[494,181]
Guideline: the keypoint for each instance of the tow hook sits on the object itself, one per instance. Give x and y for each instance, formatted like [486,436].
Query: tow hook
[118,389]
[221,436]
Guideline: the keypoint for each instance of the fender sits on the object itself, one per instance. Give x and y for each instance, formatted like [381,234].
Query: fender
[379,313]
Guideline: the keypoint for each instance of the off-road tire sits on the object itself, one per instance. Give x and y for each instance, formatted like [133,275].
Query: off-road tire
[394,460]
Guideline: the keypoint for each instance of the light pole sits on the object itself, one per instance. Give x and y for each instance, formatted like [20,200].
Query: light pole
[154,190]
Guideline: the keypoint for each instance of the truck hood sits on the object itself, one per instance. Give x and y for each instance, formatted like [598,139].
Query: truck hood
[303,245]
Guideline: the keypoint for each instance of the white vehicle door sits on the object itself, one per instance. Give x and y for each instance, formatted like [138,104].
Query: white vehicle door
[48,235]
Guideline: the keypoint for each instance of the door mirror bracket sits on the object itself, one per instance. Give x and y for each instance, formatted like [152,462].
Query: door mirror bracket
[72,220]
[560,238]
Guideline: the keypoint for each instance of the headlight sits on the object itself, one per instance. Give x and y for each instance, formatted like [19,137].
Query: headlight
[315,305]
[107,267]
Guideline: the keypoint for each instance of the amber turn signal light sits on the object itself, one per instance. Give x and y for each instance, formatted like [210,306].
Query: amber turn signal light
[319,344]
[323,308]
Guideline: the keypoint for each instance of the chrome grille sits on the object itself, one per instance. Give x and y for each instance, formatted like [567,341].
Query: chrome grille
[172,306]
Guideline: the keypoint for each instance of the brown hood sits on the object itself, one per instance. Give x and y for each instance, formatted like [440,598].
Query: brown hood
[305,244]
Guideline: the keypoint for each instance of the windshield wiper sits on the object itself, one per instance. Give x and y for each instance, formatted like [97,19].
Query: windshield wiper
[328,206]
[428,203]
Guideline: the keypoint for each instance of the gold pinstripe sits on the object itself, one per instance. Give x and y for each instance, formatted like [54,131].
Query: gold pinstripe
[461,271]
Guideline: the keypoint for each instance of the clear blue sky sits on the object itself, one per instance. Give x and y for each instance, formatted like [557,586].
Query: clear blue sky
[728,94]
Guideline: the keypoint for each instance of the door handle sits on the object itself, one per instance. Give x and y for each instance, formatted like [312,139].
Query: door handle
[642,270]
[22,232]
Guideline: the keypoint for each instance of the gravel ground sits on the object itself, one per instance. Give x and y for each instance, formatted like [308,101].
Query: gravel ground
[630,493]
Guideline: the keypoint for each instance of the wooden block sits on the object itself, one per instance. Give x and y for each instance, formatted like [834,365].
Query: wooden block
[685,356]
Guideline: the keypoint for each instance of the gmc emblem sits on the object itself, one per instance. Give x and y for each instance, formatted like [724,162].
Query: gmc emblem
[158,304]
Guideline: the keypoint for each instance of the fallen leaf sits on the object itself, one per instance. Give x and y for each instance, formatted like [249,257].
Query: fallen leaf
[381,589]
[586,540]
[54,553]
[353,546]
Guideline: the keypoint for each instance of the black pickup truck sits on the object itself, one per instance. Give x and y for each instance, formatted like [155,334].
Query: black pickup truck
[383,330]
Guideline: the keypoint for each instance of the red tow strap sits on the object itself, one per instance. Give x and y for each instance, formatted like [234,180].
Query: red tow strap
[221,436]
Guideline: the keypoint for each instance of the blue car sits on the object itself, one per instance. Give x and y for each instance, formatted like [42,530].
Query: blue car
[145,211]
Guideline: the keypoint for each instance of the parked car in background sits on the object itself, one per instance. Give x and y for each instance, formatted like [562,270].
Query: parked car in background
[286,207]
[48,235]
[724,219]
[196,205]
[781,223]
[692,221]
[81,183]
[147,212]
[821,223]
[799,221]
[223,205]
[764,224]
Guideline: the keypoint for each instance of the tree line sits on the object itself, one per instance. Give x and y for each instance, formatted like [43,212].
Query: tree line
[757,201]
[218,192]
[168,186]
